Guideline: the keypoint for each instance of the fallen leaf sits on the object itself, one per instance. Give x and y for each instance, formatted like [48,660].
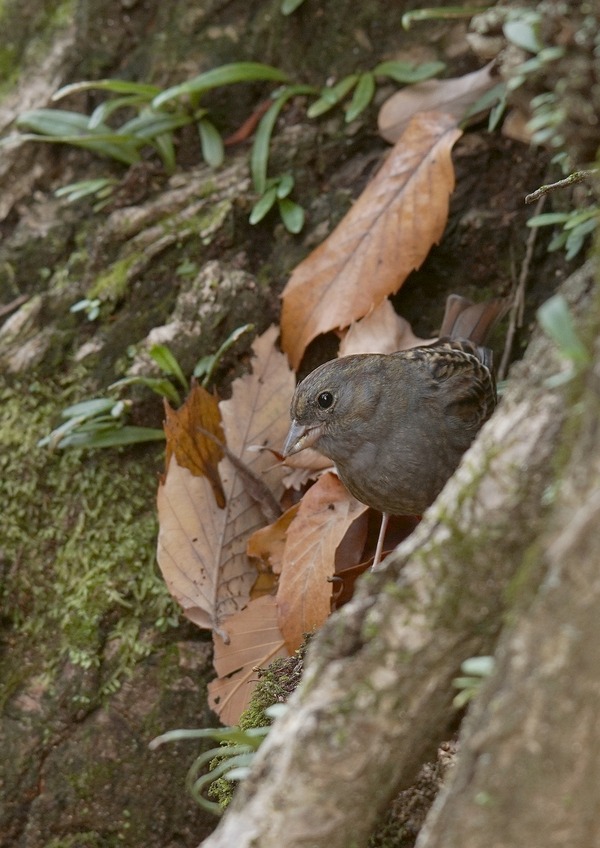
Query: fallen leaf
[452,96]
[194,451]
[267,543]
[381,331]
[196,553]
[387,234]
[201,546]
[257,414]
[255,641]
[304,594]
[516,126]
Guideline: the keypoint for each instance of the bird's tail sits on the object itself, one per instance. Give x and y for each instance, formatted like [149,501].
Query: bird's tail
[464,319]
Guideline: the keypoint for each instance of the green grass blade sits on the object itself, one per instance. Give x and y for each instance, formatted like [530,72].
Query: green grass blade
[225,75]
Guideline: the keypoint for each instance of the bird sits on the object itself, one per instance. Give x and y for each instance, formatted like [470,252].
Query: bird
[396,425]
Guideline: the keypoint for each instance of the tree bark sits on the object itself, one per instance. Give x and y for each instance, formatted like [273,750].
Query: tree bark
[529,769]
[376,696]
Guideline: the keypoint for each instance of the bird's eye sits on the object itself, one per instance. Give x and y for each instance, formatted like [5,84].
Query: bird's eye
[325,400]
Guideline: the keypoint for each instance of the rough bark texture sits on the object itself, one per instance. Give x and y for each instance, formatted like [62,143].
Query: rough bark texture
[529,769]
[377,691]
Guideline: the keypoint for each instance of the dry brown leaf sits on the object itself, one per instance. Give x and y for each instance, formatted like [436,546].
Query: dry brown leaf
[381,331]
[452,96]
[267,544]
[387,234]
[304,595]
[516,126]
[202,547]
[255,642]
[203,570]
[194,451]
[257,415]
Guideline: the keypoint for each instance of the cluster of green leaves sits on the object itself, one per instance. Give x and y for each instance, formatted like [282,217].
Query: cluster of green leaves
[231,761]
[576,226]
[475,670]
[101,422]
[147,118]
[557,322]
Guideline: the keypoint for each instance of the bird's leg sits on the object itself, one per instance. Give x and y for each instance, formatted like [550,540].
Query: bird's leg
[379,549]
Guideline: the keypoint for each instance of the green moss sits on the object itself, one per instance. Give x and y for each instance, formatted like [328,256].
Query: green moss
[112,283]
[276,684]
[28,36]
[79,534]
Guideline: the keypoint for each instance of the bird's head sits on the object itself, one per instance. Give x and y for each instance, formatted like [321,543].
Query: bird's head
[328,405]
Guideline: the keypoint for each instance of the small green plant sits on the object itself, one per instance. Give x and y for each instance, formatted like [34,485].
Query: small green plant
[138,117]
[98,423]
[231,761]
[102,422]
[363,86]
[557,322]
[101,188]
[90,307]
[158,114]
[475,671]
[576,226]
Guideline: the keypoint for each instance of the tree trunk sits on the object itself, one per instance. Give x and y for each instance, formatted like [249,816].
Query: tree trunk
[376,696]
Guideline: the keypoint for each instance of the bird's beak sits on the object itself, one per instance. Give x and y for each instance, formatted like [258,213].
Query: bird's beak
[301,436]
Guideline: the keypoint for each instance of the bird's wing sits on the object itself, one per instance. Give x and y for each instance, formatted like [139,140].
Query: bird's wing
[465,369]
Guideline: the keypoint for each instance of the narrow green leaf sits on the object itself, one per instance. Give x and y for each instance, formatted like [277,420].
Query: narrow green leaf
[557,241]
[83,188]
[363,94]
[263,206]
[548,218]
[88,408]
[207,366]
[118,436]
[165,148]
[125,150]
[160,385]
[289,6]
[523,33]
[167,363]
[285,186]
[148,124]
[587,217]
[404,73]
[331,96]
[213,151]
[556,321]
[55,122]
[113,85]
[438,13]
[106,109]
[260,149]
[224,75]
[292,215]
[489,98]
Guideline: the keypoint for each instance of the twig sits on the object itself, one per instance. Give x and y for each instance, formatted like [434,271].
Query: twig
[7,308]
[256,488]
[572,179]
[518,305]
